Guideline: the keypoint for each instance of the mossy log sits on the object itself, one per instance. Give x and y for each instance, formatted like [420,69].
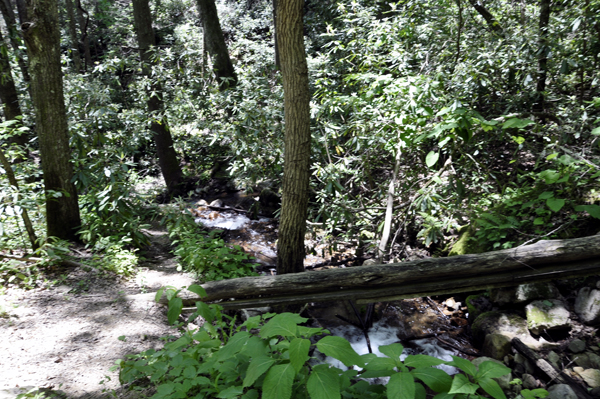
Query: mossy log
[542,261]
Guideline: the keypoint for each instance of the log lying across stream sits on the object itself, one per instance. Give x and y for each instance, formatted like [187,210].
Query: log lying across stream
[542,261]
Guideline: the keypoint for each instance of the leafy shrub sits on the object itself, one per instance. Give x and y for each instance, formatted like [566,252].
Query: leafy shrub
[270,356]
[205,253]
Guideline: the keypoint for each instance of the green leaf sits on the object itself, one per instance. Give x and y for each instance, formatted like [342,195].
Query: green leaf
[538,221]
[159,294]
[299,348]
[463,364]
[593,210]
[550,176]
[251,394]
[596,131]
[492,388]
[380,363]
[432,158]
[278,382]
[323,383]
[258,366]
[175,307]
[517,123]
[393,351]
[198,290]
[417,361]
[490,369]
[205,311]
[401,386]
[555,204]
[234,345]
[461,384]
[435,379]
[551,156]
[231,392]
[340,349]
[284,324]
[546,195]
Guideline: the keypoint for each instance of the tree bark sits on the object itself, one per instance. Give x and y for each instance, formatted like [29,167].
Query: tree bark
[14,36]
[296,173]
[543,51]
[8,91]
[85,39]
[215,43]
[167,157]
[493,24]
[545,260]
[73,35]
[42,37]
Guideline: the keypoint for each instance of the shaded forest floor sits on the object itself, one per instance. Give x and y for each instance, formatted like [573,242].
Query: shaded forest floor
[66,336]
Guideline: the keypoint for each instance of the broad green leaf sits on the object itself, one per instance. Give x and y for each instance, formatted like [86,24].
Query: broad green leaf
[593,210]
[444,395]
[284,324]
[538,221]
[517,123]
[435,379]
[461,384]
[299,352]
[401,386]
[175,307]
[417,361]
[420,392]
[340,349]
[463,364]
[492,388]
[255,347]
[381,363]
[198,290]
[377,373]
[546,195]
[393,351]
[251,394]
[231,392]
[159,294]
[555,204]
[323,383]
[205,312]
[432,158]
[490,369]
[234,345]
[257,367]
[550,176]
[278,382]
[596,131]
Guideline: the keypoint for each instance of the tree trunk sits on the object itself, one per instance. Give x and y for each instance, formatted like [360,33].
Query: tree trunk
[489,18]
[42,36]
[543,51]
[14,36]
[167,157]
[73,35]
[85,39]
[296,173]
[215,43]
[544,260]
[277,63]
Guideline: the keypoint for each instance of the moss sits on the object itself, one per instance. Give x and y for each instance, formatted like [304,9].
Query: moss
[466,243]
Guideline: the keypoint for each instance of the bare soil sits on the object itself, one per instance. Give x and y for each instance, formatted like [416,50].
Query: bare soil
[65,337]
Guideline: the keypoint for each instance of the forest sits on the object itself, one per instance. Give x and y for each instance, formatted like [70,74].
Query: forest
[398,130]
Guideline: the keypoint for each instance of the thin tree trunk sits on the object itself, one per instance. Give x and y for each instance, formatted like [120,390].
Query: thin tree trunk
[493,24]
[539,105]
[42,36]
[73,35]
[276,44]
[85,39]
[296,173]
[14,37]
[215,44]
[24,215]
[167,157]
[389,211]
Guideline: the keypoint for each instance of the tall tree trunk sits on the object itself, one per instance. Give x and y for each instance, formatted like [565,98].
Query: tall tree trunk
[85,39]
[8,92]
[42,37]
[493,24]
[296,173]
[167,157]
[543,56]
[14,36]
[73,35]
[277,63]
[215,43]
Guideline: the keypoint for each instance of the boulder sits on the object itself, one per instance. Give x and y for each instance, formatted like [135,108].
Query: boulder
[523,293]
[496,346]
[547,315]
[576,346]
[587,305]
[507,324]
[476,305]
[561,391]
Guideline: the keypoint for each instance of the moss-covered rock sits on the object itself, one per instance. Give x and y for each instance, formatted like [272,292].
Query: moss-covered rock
[547,315]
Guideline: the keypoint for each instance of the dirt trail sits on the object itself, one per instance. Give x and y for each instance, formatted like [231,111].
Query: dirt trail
[66,338]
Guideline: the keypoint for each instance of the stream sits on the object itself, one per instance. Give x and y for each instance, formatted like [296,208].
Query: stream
[432,326]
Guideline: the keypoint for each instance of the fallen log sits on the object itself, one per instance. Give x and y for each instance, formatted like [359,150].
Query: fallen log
[544,260]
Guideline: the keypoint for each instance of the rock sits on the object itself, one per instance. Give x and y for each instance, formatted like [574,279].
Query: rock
[529,381]
[583,360]
[507,324]
[577,346]
[503,381]
[590,376]
[217,203]
[476,305]
[525,364]
[561,391]
[587,305]
[547,315]
[370,262]
[496,346]
[523,293]
[201,203]
[554,359]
